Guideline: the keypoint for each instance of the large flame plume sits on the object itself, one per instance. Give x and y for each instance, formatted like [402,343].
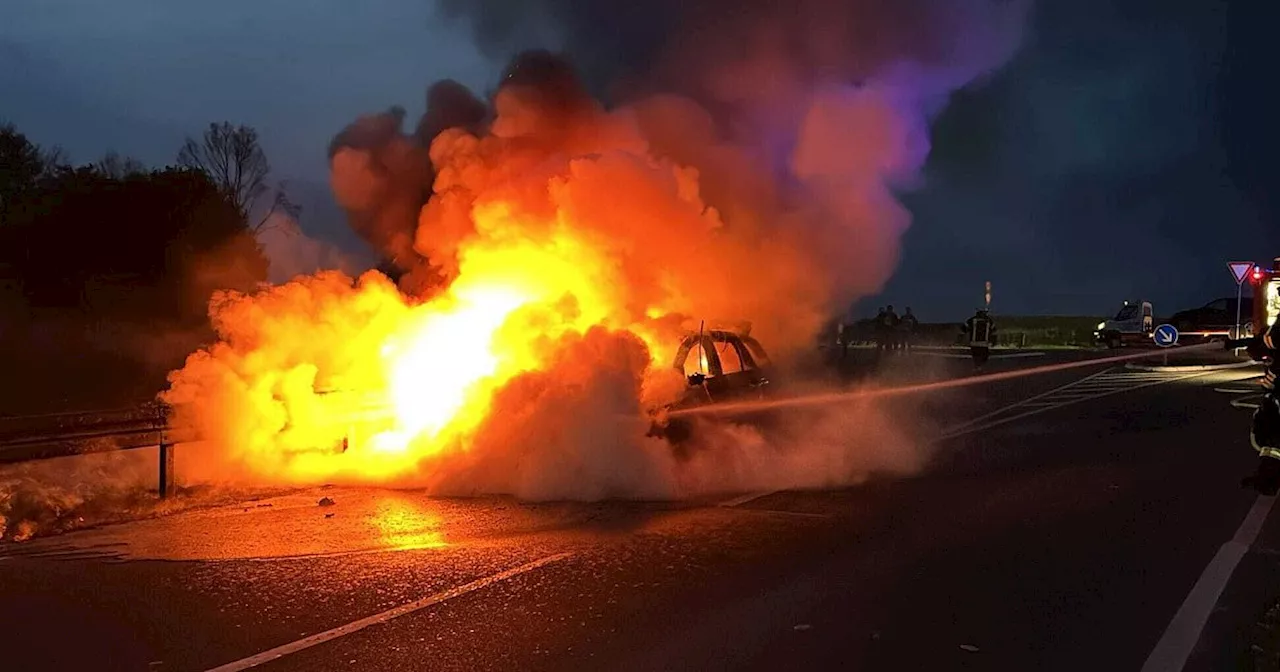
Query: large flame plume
[561,251]
[567,243]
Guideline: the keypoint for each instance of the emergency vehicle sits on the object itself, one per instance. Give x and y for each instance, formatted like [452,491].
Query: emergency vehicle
[1266,303]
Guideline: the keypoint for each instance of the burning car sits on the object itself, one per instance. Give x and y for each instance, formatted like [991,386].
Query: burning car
[720,365]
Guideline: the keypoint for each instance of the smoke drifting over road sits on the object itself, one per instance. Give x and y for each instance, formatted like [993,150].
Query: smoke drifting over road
[556,249]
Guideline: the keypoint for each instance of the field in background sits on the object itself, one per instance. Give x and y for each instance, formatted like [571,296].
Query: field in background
[1034,331]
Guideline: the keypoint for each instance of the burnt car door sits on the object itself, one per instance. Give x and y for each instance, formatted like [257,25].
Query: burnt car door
[720,366]
[741,375]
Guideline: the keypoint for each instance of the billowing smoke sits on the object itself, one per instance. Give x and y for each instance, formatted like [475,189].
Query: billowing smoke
[826,103]
[556,248]
[291,252]
[382,177]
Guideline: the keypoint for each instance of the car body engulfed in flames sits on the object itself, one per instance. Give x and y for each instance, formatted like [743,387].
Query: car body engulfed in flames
[719,365]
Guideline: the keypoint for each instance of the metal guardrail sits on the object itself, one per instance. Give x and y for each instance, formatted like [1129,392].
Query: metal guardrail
[40,437]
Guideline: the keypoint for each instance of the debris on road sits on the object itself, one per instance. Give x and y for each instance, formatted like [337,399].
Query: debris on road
[326,501]
[969,647]
[328,515]
[802,627]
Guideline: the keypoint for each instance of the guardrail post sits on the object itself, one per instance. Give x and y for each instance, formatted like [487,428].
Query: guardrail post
[165,488]
[166,470]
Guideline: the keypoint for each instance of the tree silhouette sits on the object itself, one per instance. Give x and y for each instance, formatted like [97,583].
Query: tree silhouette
[22,165]
[115,166]
[232,157]
[121,243]
[106,271]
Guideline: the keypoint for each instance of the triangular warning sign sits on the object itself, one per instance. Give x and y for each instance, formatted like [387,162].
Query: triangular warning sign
[1239,269]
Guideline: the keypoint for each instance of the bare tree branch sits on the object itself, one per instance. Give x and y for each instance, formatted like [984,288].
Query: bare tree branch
[117,167]
[53,158]
[233,159]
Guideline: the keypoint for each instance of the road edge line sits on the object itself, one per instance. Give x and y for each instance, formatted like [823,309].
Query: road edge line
[1180,637]
[396,612]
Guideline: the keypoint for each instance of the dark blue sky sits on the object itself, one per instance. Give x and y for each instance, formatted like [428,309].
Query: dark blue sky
[1127,150]
[137,76]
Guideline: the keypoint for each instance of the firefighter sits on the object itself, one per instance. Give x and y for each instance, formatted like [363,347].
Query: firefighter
[878,328]
[981,330]
[907,330]
[1265,433]
[889,329]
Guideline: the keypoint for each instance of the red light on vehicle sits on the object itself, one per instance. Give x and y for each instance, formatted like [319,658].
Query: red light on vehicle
[1257,274]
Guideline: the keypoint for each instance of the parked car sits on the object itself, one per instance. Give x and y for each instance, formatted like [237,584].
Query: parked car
[1216,319]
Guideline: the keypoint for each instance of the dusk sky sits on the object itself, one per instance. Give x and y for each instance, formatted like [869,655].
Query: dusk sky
[1120,154]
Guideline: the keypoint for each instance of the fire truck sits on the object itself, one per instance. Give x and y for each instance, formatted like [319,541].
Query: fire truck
[1266,301]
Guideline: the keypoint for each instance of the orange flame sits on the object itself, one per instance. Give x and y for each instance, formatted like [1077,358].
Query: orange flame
[576,257]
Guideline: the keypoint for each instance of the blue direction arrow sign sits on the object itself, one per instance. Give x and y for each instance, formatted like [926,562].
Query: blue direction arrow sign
[1165,335]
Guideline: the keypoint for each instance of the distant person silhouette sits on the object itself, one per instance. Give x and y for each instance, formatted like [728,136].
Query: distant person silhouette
[907,330]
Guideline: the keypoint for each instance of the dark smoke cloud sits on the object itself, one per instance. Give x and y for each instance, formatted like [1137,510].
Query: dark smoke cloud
[1113,159]
[795,88]
[382,176]
[815,110]
[690,46]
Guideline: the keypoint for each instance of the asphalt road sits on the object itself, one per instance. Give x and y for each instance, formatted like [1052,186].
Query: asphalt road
[1062,522]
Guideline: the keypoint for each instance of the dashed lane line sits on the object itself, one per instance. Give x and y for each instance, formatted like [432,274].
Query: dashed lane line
[354,626]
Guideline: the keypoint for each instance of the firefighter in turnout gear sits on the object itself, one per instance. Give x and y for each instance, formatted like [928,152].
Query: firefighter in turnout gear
[981,330]
[1265,433]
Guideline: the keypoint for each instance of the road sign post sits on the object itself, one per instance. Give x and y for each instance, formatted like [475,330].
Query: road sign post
[1239,271]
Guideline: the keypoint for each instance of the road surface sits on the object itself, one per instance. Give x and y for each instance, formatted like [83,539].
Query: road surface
[1061,525]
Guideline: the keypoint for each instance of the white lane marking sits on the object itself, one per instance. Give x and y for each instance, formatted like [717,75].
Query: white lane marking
[1179,639]
[1231,390]
[1013,355]
[1029,401]
[340,631]
[781,512]
[1065,396]
[743,499]
[1245,403]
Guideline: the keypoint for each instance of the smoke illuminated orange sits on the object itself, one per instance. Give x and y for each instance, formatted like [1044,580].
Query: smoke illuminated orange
[575,256]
